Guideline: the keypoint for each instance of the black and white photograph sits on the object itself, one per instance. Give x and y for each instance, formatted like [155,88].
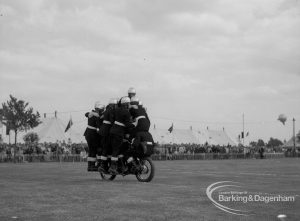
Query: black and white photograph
[149,110]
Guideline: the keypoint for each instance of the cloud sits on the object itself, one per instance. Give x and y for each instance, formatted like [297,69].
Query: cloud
[193,60]
[202,24]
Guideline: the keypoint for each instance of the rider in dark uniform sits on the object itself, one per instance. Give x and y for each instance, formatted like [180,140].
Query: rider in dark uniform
[92,136]
[118,130]
[108,120]
[140,105]
[141,139]
[140,117]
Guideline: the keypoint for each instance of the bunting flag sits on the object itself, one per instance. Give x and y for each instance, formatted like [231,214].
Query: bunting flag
[247,134]
[69,125]
[171,128]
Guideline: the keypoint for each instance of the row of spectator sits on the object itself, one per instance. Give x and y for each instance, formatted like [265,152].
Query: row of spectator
[197,148]
[66,148]
[42,148]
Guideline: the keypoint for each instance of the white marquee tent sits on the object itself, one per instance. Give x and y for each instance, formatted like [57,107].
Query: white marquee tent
[290,142]
[189,136]
[52,130]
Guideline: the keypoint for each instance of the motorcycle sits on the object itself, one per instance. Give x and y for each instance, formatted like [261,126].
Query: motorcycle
[143,166]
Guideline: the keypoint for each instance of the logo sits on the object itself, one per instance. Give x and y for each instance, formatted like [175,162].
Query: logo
[218,185]
[227,192]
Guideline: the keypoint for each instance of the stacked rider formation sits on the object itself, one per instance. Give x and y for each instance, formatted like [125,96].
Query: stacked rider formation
[109,125]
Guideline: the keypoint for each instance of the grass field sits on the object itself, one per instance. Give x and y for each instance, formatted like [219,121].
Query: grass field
[65,191]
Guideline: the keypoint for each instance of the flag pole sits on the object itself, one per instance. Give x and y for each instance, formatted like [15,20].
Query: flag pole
[243,129]
[71,135]
[294,137]
[1,129]
[9,137]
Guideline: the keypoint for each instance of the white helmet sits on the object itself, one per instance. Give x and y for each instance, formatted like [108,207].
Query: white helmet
[98,105]
[125,100]
[131,90]
[134,100]
[113,101]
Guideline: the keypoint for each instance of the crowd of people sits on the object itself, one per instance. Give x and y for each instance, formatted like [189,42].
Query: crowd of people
[8,151]
[82,148]
[177,149]
[57,148]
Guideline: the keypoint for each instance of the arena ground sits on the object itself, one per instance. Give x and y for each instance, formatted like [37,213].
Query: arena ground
[65,191]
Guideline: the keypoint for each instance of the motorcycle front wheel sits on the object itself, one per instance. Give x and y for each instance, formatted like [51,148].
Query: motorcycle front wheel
[148,170]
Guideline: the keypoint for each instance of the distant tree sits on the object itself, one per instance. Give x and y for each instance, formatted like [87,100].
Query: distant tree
[253,143]
[18,116]
[260,143]
[274,142]
[31,138]
[1,124]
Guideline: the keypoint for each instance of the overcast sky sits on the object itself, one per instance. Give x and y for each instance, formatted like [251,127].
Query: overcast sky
[193,62]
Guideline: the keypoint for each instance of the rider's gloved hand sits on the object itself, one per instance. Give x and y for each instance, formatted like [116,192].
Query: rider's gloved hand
[92,114]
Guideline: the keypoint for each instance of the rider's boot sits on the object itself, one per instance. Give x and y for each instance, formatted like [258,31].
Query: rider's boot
[123,167]
[113,167]
[103,165]
[98,162]
[92,166]
[89,166]
[134,167]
